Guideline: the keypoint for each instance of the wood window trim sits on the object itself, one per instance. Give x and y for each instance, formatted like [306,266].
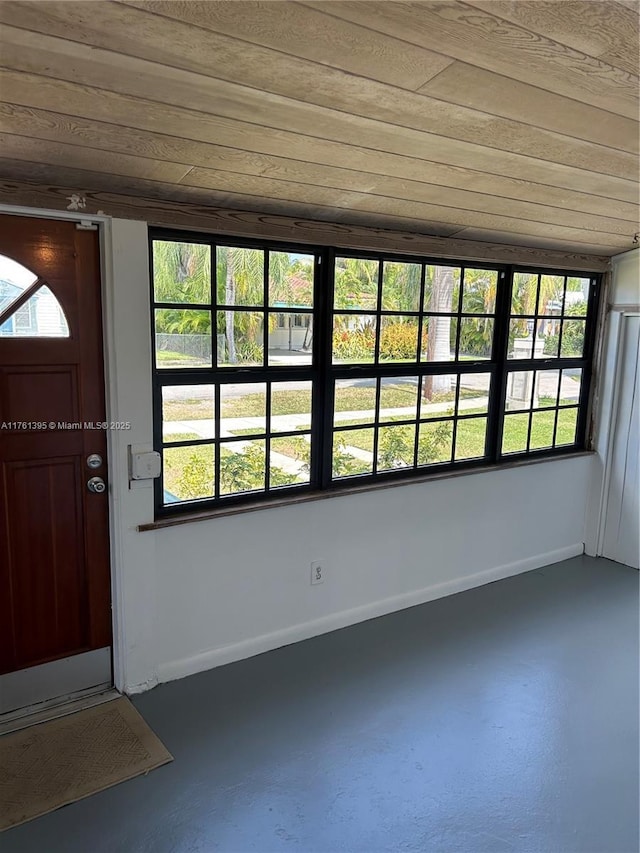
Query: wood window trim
[349,491]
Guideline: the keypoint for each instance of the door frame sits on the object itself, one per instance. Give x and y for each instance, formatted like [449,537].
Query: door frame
[104,230]
[617,335]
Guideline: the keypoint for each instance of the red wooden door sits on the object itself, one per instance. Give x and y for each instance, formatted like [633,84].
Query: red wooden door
[54,541]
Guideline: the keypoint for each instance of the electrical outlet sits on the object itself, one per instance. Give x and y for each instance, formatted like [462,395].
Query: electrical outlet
[317,572]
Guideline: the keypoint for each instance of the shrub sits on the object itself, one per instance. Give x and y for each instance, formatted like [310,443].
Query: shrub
[572,335]
[344,464]
[399,341]
[433,441]
[195,479]
[395,447]
[354,344]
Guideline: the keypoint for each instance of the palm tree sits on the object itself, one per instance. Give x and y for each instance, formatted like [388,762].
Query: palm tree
[356,283]
[401,286]
[240,276]
[181,272]
[439,334]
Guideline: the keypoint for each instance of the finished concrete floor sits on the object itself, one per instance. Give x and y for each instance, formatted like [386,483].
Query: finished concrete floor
[501,719]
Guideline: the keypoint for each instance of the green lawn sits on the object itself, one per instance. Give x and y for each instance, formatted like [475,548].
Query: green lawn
[348,399]
[470,436]
[189,471]
[167,358]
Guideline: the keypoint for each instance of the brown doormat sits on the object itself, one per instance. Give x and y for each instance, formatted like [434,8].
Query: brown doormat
[56,763]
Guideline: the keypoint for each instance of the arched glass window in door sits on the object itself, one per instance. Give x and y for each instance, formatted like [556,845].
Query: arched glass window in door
[28,308]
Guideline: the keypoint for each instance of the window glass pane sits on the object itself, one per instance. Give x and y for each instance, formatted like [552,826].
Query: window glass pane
[479,291]
[400,286]
[290,460]
[570,386]
[352,452]
[576,298]
[243,409]
[398,398]
[438,395]
[183,337]
[290,406]
[181,271]
[242,466]
[551,295]
[441,289]
[240,276]
[188,473]
[474,393]
[566,428]
[354,401]
[188,412]
[41,316]
[356,283]
[398,338]
[521,338]
[547,339]
[515,433]
[434,442]
[520,389]
[523,295]
[354,338]
[572,344]
[439,338]
[396,447]
[14,280]
[470,438]
[290,280]
[476,338]
[240,338]
[290,338]
[546,392]
[542,424]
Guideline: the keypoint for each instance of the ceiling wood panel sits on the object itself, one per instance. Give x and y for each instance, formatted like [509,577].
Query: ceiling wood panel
[488,41]
[266,195]
[430,204]
[335,126]
[479,193]
[351,152]
[496,94]
[111,72]
[492,118]
[176,49]
[596,29]
[307,34]
[224,220]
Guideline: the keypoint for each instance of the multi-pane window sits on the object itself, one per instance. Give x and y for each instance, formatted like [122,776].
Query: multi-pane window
[549,318]
[284,369]
[234,374]
[425,333]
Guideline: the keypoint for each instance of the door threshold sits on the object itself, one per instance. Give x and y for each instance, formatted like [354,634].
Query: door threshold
[54,708]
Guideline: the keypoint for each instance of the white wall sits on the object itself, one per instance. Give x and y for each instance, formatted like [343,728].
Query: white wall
[198,595]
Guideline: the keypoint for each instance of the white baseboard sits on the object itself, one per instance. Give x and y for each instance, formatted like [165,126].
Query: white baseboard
[171,670]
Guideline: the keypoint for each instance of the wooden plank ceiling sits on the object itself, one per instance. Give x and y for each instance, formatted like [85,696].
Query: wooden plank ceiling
[494,120]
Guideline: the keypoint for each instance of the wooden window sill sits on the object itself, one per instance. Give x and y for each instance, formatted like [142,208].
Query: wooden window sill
[306,497]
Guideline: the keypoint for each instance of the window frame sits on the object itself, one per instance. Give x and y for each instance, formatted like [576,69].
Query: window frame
[323,373]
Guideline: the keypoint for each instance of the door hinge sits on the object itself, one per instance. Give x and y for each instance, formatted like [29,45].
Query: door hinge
[86,225]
